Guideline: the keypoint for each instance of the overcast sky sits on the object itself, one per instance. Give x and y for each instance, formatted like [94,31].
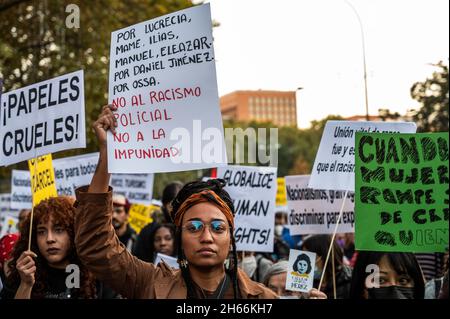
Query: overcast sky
[316,44]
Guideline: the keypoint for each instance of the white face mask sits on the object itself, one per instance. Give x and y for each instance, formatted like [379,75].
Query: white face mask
[278,230]
[248,265]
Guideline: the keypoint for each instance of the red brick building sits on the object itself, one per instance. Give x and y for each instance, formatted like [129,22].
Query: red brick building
[278,107]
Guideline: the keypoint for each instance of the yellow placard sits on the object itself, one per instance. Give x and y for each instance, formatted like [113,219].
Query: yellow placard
[139,216]
[42,178]
[281,199]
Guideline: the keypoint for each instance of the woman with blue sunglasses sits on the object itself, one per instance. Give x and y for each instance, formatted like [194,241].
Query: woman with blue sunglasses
[203,214]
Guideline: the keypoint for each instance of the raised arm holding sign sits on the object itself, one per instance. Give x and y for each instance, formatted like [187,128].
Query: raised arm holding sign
[202,211]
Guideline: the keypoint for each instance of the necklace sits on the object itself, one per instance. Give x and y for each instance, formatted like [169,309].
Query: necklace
[218,294]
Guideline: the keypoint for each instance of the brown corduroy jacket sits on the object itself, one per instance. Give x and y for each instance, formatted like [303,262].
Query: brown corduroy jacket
[101,252]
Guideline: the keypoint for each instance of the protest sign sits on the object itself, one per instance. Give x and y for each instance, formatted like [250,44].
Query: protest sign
[313,211]
[70,173]
[163,81]
[253,191]
[42,118]
[1,92]
[402,192]
[334,166]
[5,202]
[281,200]
[9,223]
[171,261]
[73,172]
[140,215]
[137,188]
[42,178]
[300,276]
[76,171]
[21,197]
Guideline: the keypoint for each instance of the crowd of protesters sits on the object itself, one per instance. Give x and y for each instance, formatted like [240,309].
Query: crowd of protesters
[195,225]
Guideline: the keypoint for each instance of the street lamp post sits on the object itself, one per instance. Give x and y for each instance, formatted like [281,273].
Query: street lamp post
[364,57]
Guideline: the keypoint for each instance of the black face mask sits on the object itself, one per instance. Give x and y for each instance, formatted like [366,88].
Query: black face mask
[391,292]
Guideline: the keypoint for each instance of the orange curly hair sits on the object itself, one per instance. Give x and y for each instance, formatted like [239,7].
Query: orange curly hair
[62,211]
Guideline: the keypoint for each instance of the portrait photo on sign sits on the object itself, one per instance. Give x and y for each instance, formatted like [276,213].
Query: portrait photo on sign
[300,275]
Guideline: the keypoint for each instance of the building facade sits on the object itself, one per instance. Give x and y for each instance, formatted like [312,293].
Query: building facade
[278,107]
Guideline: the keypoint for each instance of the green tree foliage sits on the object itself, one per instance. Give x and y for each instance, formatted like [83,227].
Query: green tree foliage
[36,45]
[432,94]
[385,115]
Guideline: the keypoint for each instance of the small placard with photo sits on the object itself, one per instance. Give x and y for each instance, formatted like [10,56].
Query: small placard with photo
[300,276]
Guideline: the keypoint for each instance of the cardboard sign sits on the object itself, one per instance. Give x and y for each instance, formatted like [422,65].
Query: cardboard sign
[402,192]
[334,167]
[5,202]
[300,276]
[163,81]
[76,171]
[21,197]
[42,118]
[313,211]
[42,178]
[73,172]
[139,216]
[281,199]
[138,188]
[253,190]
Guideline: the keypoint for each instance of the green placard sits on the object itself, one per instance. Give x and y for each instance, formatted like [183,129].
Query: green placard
[402,192]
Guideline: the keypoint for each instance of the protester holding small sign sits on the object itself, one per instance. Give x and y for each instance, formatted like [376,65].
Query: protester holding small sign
[41,272]
[275,279]
[385,275]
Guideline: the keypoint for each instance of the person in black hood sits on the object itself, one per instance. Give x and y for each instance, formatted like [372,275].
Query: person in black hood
[385,275]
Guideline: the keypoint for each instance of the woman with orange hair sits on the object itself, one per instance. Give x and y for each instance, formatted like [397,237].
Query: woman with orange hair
[41,271]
